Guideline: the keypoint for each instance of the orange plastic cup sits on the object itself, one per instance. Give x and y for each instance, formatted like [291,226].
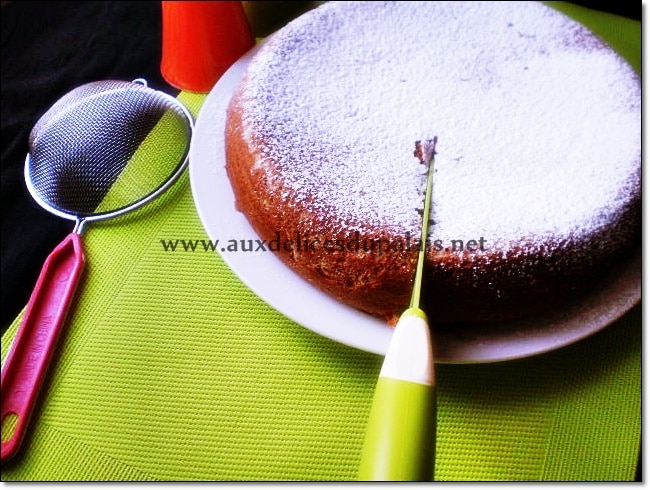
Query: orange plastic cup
[200,41]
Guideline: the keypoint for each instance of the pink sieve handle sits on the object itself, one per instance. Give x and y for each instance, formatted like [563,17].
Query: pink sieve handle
[26,364]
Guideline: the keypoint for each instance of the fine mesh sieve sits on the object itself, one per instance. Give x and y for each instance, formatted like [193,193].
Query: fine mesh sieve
[83,162]
[90,158]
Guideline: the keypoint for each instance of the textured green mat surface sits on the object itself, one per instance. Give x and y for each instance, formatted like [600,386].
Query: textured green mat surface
[171,369]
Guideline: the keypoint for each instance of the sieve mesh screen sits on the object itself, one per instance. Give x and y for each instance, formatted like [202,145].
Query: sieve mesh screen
[88,153]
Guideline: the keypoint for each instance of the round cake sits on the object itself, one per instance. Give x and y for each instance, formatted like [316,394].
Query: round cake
[537,183]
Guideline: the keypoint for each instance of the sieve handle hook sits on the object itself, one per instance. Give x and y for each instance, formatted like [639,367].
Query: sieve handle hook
[26,364]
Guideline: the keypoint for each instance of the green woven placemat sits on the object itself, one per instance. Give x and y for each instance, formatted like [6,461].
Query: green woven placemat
[171,369]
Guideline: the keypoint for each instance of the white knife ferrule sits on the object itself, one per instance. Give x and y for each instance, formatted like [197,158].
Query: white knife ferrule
[409,356]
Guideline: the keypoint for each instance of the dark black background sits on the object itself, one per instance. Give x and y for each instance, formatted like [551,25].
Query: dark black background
[49,48]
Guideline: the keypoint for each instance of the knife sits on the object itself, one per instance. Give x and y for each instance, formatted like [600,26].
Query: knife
[400,436]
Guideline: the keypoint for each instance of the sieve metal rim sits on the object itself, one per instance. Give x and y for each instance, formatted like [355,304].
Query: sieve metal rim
[82,218]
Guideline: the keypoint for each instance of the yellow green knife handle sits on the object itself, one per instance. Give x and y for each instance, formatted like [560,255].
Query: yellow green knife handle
[399,444]
[400,436]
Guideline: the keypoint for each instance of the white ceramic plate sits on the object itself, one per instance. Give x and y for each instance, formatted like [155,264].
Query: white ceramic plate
[288,293]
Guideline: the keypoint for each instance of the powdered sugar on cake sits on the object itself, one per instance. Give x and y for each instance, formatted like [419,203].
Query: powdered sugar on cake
[537,122]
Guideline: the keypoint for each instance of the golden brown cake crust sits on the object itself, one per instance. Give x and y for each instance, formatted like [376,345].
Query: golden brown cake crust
[379,284]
